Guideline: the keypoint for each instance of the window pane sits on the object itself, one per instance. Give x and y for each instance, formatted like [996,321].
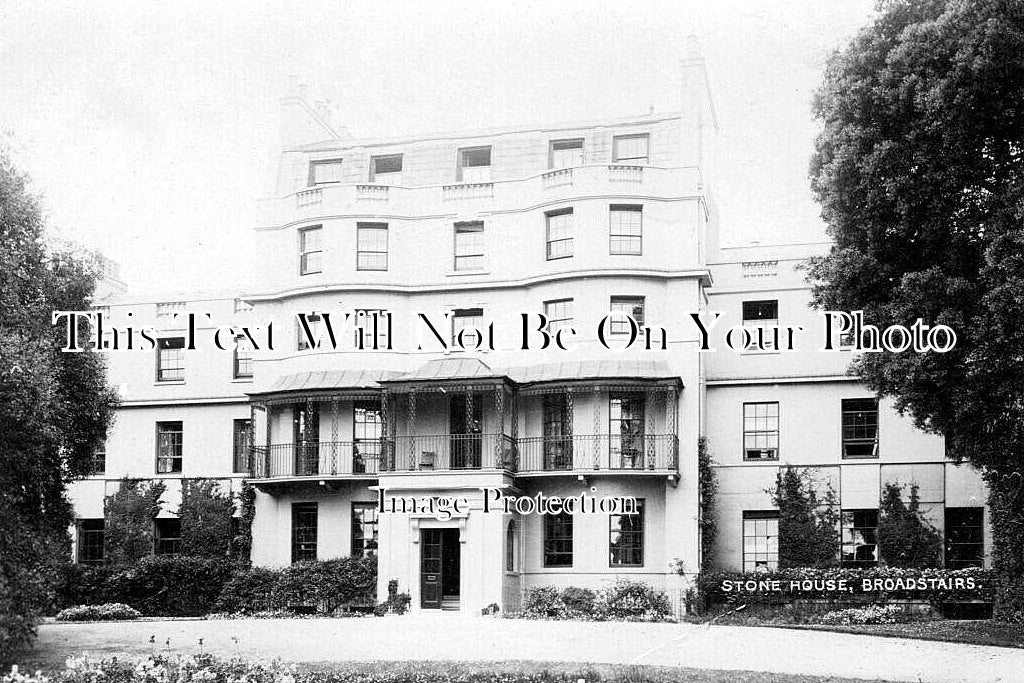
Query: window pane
[625,229]
[631,148]
[633,306]
[325,171]
[372,246]
[626,538]
[559,234]
[761,431]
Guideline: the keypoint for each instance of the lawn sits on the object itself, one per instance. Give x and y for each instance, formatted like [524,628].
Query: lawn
[981,632]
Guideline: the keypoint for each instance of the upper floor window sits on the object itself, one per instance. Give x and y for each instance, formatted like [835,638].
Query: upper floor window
[626,538]
[860,427]
[323,171]
[510,546]
[565,153]
[170,366]
[472,321]
[371,329]
[626,229]
[168,447]
[559,314]
[371,246]
[99,459]
[761,315]
[310,250]
[242,364]
[90,541]
[760,540]
[364,529]
[559,233]
[367,431]
[631,149]
[307,341]
[965,537]
[860,538]
[761,431]
[469,246]
[474,165]
[386,170]
[240,445]
[633,306]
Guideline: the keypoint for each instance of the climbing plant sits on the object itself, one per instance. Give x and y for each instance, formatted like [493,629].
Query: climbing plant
[808,524]
[905,538]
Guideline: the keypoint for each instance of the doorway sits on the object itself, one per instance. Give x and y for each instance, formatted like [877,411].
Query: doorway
[440,569]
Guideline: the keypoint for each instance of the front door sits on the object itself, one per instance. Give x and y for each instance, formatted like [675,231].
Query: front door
[439,568]
[306,437]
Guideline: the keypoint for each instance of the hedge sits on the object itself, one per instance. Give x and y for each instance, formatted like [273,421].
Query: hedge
[880,584]
[623,601]
[180,585]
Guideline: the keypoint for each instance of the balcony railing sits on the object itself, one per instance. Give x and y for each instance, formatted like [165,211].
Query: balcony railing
[452,193]
[618,173]
[309,197]
[376,193]
[313,459]
[648,452]
[557,178]
[653,453]
[452,452]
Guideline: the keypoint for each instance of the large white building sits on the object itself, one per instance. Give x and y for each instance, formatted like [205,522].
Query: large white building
[573,221]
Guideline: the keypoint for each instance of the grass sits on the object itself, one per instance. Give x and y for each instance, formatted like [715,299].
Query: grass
[982,632]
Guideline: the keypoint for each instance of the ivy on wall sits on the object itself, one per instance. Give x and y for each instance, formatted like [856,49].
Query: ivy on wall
[205,513]
[129,515]
[905,538]
[808,524]
[241,543]
[708,484]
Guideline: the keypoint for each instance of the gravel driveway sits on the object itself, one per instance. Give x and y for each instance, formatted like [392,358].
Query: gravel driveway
[454,637]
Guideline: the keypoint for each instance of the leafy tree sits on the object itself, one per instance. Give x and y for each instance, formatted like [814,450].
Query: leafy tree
[205,514]
[920,174]
[808,527]
[129,513]
[55,407]
[905,538]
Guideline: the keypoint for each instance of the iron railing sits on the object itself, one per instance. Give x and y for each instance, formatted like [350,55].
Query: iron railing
[653,452]
[311,459]
[452,452]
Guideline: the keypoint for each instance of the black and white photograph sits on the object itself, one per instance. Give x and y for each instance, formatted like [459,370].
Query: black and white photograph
[483,342]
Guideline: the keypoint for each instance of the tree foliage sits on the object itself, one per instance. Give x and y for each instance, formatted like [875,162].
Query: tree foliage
[129,514]
[55,407]
[920,174]
[905,538]
[708,483]
[808,525]
[205,513]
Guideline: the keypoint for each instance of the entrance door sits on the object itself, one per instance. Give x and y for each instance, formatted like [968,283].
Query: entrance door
[465,422]
[439,568]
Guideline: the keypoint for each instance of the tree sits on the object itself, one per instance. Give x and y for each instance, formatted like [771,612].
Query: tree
[905,538]
[205,514]
[920,174]
[808,527]
[55,407]
[129,533]
[708,485]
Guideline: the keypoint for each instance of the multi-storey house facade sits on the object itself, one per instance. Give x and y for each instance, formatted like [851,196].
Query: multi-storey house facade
[436,248]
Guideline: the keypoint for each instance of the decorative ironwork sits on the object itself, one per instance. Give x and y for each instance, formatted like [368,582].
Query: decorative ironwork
[597,428]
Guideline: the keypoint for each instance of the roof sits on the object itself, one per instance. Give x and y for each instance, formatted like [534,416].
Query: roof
[328,380]
[593,369]
[449,369]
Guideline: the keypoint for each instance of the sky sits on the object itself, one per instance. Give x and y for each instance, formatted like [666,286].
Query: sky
[150,128]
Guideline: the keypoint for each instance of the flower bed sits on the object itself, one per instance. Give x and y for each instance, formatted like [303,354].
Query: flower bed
[624,601]
[111,611]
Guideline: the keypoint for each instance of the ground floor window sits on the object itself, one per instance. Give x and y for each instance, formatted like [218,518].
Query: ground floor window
[168,536]
[364,529]
[90,541]
[304,521]
[558,540]
[965,537]
[760,540]
[626,538]
[860,538]
[510,547]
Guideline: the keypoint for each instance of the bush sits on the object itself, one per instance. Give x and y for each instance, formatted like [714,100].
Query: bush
[328,585]
[872,614]
[162,585]
[624,601]
[248,591]
[111,611]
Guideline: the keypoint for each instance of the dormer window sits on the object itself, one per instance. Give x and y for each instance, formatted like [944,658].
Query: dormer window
[324,171]
[474,165]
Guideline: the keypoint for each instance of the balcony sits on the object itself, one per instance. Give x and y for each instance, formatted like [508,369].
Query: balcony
[317,459]
[640,454]
[452,452]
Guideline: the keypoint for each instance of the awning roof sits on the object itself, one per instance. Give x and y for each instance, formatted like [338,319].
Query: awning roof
[450,369]
[327,380]
[592,369]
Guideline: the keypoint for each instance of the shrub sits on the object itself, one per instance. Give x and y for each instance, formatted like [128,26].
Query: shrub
[206,513]
[632,601]
[111,611]
[624,601]
[327,585]
[872,614]
[248,591]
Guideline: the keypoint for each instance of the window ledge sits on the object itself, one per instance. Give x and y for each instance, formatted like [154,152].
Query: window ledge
[242,380]
[165,382]
[463,273]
